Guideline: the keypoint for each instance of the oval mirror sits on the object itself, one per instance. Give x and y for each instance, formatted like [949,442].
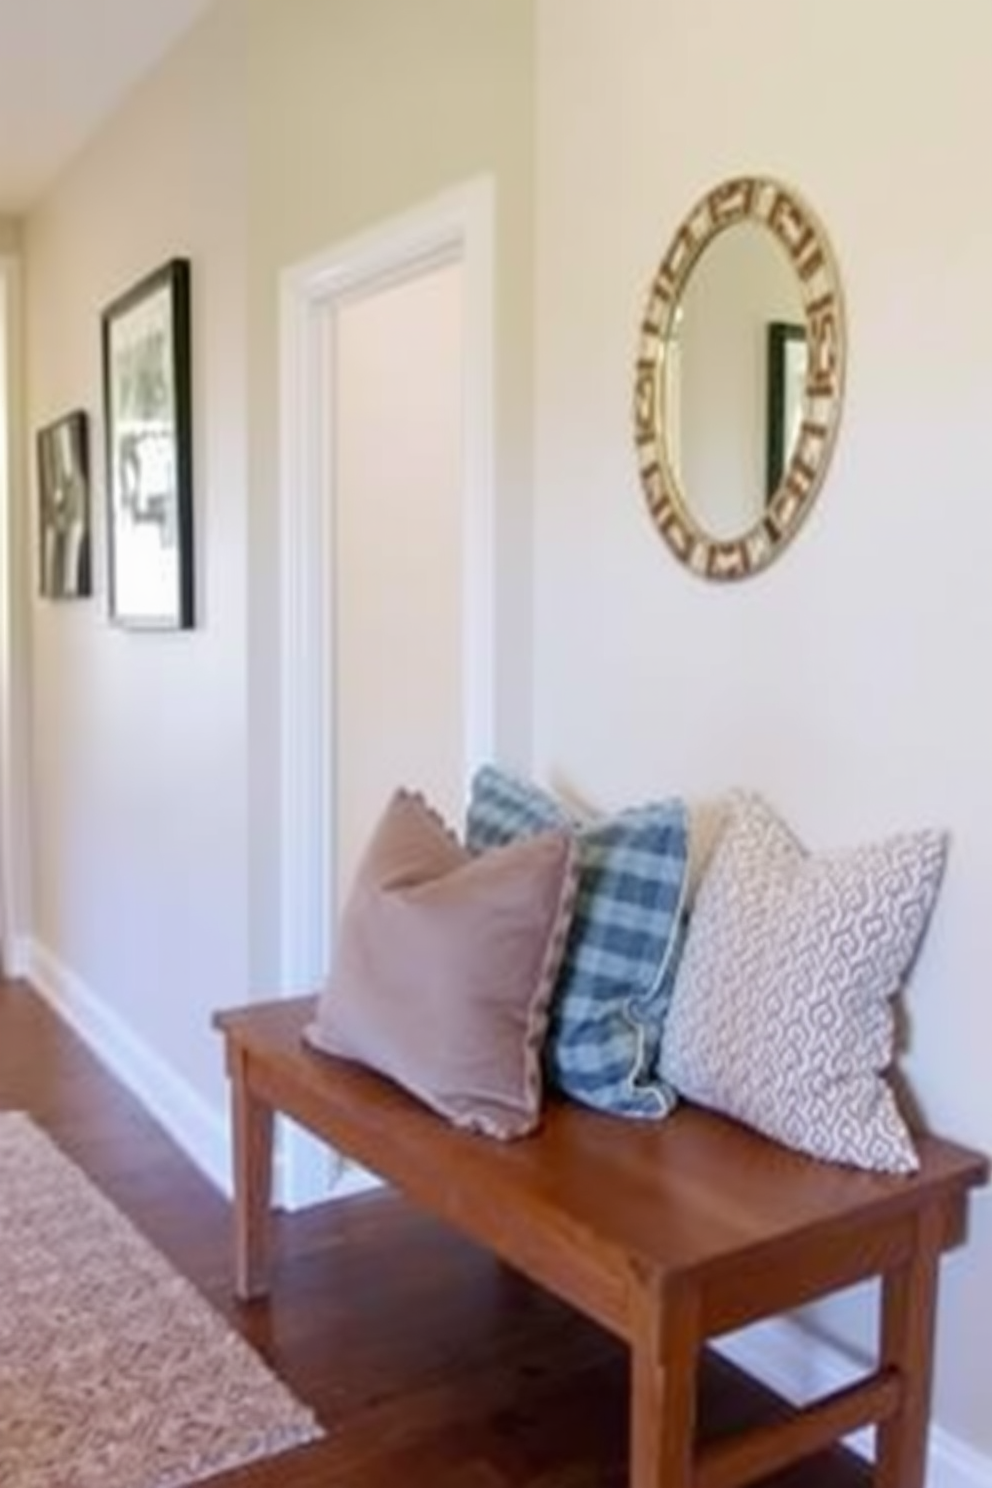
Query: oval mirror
[739,377]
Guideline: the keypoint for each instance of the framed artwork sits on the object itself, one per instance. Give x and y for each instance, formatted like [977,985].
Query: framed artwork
[64,541]
[786,384]
[148,421]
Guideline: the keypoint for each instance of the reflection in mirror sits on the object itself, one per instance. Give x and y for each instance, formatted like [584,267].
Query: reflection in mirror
[742,284]
[788,365]
[739,377]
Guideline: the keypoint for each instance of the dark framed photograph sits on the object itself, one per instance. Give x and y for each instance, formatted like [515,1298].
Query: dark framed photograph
[786,385]
[64,542]
[148,419]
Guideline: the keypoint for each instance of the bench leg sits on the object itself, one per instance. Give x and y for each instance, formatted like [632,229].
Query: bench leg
[253,1122]
[665,1355]
[909,1310]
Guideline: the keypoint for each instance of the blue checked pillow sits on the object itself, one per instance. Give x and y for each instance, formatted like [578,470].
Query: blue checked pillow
[618,970]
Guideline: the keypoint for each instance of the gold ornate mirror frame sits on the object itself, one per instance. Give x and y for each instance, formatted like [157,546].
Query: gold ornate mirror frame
[765,202]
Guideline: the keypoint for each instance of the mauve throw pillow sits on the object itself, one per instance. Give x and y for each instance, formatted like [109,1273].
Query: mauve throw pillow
[445,964]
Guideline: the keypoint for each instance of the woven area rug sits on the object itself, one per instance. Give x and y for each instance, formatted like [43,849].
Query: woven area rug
[114,1371]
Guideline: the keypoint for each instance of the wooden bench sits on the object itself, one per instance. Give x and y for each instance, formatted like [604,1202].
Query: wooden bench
[668,1234]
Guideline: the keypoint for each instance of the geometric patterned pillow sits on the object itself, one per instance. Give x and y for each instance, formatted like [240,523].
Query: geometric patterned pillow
[617,972]
[781,1014]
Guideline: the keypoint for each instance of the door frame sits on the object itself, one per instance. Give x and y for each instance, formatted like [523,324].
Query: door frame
[456,227]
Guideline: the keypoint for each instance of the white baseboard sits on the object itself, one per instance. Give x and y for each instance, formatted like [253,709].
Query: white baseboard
[193,1124]
[800,1366]
[354,1179]
[309,1171]
[305,1171]
[16,956]
[953,1464]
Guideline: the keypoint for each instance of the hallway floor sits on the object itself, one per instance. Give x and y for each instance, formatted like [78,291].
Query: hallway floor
[429,1363]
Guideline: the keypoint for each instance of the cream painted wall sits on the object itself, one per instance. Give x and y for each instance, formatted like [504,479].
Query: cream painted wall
[10,234]
[848,681]
[362,110]
[15,838]
[139,789]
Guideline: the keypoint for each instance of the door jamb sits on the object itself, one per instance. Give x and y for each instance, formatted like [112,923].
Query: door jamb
[455,227]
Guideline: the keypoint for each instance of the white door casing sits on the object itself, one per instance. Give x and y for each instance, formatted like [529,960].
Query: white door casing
[455,227]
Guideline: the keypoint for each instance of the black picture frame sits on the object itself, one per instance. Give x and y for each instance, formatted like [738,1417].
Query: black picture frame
[147,397]
[786,380]
[65,569]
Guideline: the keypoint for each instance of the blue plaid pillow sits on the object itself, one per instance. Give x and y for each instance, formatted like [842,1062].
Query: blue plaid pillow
[618,970]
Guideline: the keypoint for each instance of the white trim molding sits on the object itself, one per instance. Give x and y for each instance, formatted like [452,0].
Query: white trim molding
[17,956]
[457,227]
[801,1366]
[192,1122]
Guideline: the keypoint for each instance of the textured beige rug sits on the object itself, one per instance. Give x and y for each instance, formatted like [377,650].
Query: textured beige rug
[114,1372]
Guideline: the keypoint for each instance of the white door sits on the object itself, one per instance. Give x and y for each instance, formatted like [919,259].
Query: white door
[397,692]
[387,648]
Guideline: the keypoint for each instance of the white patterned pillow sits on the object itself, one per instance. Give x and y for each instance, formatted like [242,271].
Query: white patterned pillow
[781,1014]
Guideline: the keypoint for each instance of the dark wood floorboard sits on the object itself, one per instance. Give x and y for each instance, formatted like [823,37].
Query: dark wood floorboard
[429,1363]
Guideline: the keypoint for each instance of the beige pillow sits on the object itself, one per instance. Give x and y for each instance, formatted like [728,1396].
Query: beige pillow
[781,1014]
[445,965]
[708,816]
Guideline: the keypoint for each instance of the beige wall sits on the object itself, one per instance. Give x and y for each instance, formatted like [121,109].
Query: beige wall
[15,579]
[139,740]
[155,767]
[843,682]
[847,682]
[360,111]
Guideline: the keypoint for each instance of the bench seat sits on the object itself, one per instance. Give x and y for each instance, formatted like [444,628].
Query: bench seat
[666,1233]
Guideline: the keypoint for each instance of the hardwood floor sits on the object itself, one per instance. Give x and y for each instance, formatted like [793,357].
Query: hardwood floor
[429,1363]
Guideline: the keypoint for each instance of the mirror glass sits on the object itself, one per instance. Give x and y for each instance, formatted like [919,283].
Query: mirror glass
[719,358]
[739,377]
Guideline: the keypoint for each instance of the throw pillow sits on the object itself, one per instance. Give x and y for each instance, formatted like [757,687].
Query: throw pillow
[445,964]
[616,976]
[708,815]
[781,1014]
